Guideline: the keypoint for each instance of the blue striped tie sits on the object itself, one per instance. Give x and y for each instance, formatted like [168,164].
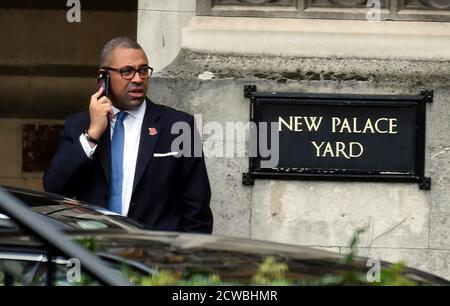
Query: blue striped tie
[117,143]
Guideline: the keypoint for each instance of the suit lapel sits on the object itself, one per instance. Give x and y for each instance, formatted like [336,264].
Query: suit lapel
[147,141]
[104,153]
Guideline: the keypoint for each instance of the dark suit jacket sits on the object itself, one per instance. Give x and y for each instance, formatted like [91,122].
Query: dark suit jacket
[169,193]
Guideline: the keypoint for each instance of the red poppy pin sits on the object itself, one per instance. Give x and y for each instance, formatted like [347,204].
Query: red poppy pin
[152,131]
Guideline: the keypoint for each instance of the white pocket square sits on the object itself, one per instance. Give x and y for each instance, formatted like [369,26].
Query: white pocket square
[165,154]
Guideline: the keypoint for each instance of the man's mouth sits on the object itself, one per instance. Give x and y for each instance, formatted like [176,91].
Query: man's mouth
[136,92]
[137,89]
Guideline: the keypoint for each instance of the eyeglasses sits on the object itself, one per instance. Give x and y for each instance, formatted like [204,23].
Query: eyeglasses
[129,72]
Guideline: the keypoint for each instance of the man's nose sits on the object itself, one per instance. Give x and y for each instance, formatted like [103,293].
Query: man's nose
[137,78]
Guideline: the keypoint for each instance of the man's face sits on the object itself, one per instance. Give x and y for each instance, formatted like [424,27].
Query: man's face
[127,94]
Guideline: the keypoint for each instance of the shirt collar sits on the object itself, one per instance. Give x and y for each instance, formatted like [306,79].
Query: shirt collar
[137,113]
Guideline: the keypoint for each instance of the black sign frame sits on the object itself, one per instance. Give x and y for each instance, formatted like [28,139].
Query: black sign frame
[419,101]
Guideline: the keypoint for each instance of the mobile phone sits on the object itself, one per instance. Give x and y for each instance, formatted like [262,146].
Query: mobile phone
[103,81]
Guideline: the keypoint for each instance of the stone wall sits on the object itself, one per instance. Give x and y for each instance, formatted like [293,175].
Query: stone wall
[404,222]
[160,25]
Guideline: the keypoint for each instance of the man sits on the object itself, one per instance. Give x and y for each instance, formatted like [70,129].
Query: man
[119,155]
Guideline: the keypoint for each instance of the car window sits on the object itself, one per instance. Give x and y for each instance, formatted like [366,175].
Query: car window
[7,224]
[23,269]
[20,271]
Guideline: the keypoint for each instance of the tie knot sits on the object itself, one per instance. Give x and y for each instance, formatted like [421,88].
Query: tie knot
[121,116]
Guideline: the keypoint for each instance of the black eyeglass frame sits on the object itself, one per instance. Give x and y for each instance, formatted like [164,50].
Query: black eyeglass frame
[127,68]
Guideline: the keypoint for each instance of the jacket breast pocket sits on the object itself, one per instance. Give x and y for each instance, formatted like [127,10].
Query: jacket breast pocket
[166,154]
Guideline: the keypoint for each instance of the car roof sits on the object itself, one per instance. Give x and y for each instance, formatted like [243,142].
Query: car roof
[67,212]
[40,198]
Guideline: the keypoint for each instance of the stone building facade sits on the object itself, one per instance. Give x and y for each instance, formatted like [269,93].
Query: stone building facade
[347,47]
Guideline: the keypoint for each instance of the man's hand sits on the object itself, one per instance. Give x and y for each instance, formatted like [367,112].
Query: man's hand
[99,112]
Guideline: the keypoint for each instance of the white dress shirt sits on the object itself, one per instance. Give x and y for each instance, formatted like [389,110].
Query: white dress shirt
[132,124]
